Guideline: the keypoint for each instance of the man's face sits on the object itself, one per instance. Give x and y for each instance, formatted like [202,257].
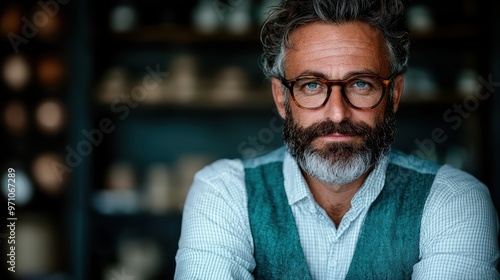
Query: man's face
[342,141]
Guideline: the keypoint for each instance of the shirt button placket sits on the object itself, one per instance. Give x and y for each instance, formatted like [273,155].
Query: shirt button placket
[332,256]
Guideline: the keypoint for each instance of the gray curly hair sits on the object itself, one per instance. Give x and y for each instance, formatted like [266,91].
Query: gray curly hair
[385,15]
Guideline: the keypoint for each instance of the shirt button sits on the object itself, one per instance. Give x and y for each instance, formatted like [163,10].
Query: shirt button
[332,264]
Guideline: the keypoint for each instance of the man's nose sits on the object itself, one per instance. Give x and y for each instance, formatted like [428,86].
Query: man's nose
[336,108]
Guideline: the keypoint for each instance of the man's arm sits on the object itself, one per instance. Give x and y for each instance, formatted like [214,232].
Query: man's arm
[216,242]
[459,230]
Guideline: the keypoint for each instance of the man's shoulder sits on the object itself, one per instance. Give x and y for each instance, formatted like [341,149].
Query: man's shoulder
[447,178]
[453,181]
[222,168]
[277,155]
[413,163]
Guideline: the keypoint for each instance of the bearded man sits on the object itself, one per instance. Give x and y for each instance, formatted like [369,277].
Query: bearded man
[337,202]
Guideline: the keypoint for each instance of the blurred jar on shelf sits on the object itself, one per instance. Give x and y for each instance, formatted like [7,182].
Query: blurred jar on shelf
[151,90]
[238,17]
[38,252]
[159,193]
[47,173]
[48,21]
[230,85]
[420,83]
[113,85]
[23,187]
[15,117]
[16,72]
[420,19]
[10,19]
[138,258]
[120,195]
[183,82]
[50,116]
[123,17]
[51,72]
[206,18]
[467,82]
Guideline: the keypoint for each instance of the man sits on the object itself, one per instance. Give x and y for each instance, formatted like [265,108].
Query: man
[337,203]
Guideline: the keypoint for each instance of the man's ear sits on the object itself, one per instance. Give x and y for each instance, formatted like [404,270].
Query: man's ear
[279,96]
[397,92]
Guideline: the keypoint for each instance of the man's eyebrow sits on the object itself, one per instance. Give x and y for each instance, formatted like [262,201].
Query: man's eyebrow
[346,76]
[312,73]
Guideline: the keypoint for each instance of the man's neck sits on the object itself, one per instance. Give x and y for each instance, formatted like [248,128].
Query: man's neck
[335,199]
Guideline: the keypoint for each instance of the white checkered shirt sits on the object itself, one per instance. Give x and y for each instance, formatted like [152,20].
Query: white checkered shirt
[458,238]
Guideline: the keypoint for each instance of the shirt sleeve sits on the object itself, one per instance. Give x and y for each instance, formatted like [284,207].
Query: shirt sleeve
[459,233]
[215,241]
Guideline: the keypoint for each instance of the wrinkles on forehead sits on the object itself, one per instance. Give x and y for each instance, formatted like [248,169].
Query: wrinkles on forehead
[335,49]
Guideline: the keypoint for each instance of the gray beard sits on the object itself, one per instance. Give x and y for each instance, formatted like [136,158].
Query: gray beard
[339,163]
[335,172]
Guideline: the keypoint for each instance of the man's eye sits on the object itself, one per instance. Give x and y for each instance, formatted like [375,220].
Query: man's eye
[361,84]
[312,86]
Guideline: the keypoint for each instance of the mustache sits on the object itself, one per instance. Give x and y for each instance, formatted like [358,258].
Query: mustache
[328,127]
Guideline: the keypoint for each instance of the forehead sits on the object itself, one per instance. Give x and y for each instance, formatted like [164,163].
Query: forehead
[335,50]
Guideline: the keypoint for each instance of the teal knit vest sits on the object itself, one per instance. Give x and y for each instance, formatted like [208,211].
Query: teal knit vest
[388,244]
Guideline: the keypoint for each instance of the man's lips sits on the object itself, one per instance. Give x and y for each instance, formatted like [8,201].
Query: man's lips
[338,137]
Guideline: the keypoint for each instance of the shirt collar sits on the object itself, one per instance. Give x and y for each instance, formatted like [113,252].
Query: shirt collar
[295,184]
[372,186]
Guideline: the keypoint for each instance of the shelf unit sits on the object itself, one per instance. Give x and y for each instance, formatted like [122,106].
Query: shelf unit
[34,136]
[175,130]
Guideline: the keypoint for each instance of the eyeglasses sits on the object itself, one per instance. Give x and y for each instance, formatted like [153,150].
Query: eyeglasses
[364,91]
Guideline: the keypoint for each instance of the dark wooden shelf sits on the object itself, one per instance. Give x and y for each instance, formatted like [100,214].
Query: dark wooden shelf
[458,31]
[188,34]
[183,34]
